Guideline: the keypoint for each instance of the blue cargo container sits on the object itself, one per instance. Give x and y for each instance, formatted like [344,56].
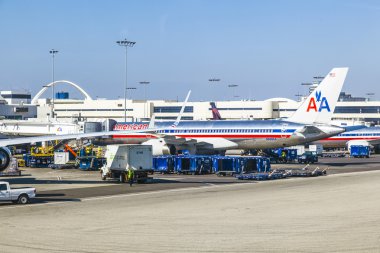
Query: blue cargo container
[26,157]
[283,155]
[224,165]
[193,164]
[253,164]
[203,164]
[184,164]
[358,151]
[90,163]
[164,164]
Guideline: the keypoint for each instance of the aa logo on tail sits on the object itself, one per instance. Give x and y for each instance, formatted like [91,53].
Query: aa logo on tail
[318,103]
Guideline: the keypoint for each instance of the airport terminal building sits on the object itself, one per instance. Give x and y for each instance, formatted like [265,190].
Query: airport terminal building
[16,105]
[347,111]
[20,105]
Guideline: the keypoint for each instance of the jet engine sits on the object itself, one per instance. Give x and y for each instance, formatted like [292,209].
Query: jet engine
[5,158]
[160,147]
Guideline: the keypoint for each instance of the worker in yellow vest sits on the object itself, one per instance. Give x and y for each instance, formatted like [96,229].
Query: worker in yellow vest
[131,176]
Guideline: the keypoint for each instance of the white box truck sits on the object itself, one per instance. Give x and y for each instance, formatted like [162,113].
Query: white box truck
[318,148]
[121,158]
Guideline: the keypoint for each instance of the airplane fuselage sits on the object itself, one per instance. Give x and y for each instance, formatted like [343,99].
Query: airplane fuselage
[370,134]
[247,134]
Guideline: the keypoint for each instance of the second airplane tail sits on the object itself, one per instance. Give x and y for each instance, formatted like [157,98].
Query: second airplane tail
[215,112]
[320,105]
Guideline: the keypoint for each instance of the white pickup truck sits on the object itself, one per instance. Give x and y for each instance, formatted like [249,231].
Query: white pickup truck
[17,195]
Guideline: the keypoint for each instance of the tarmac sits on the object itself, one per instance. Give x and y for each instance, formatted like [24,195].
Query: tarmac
[77,212]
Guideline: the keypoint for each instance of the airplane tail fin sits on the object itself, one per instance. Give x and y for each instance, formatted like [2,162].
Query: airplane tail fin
[175,124]
[320,105]
[215,112]
[152,122]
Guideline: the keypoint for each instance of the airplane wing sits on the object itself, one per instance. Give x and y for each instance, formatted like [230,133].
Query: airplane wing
[17,141]
[217,143]
[374,142]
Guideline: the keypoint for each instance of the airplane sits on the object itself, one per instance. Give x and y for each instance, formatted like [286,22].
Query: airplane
[309,123]
[363,135]
[215,112]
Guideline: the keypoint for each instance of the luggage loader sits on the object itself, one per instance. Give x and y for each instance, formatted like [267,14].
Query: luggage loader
[121,158]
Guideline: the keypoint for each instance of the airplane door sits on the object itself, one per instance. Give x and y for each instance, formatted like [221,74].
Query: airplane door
[4,193]
[283,130]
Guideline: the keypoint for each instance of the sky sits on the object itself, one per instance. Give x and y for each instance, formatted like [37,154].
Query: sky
[267,48]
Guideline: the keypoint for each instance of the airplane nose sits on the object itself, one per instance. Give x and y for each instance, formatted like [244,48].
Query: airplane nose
[331,130]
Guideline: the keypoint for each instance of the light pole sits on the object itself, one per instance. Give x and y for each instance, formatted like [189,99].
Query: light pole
[131,88]
[53,52]
[233,86]
[125,43]
[145,105]
[214,80]
[370,94]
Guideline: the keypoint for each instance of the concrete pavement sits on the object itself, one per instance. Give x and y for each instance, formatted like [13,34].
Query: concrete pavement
[337,213]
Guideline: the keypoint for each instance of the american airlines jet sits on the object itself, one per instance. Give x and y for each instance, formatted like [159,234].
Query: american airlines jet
[363,136]
[309,123]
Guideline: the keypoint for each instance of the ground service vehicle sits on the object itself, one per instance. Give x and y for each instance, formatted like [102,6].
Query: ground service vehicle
[308,157]
[121,158]
[16,195]
[359,151]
